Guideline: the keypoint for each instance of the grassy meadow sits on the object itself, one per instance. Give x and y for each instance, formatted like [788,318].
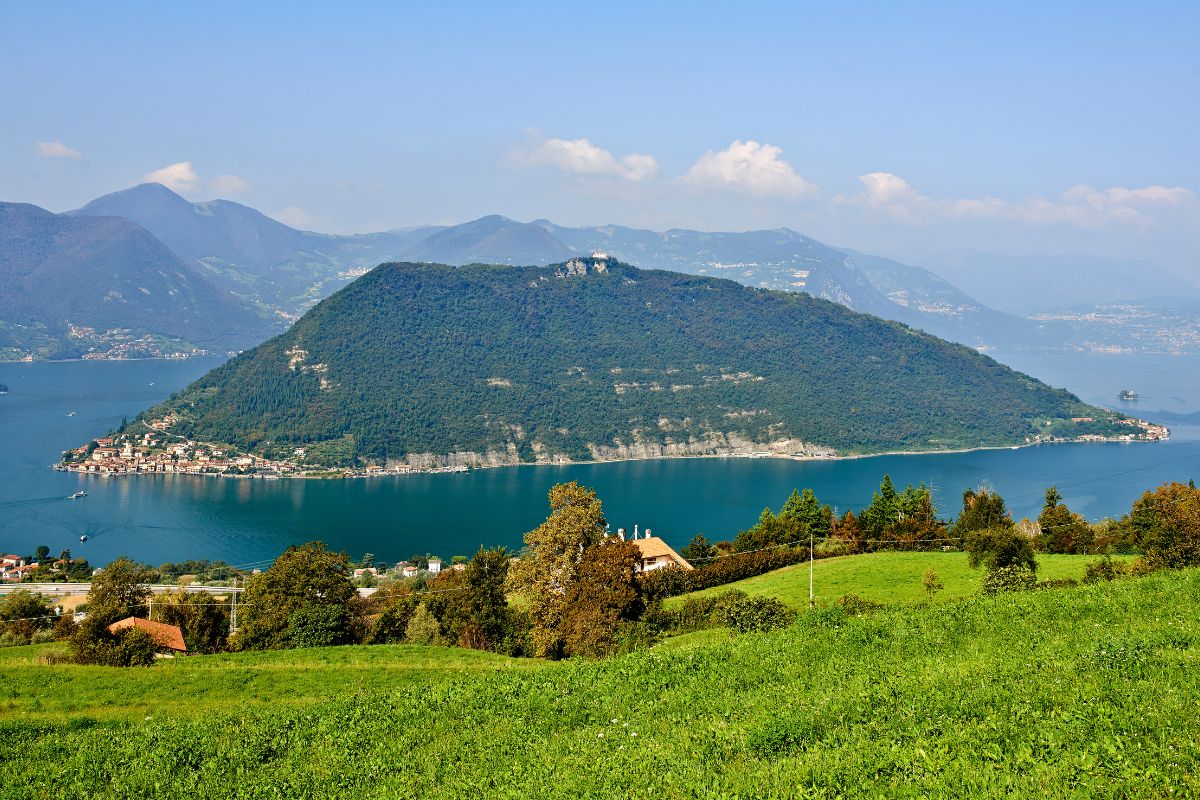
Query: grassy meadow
[1091,691]
[204,685]
[886,577]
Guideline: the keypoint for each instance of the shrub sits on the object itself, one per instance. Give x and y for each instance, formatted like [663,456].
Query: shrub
[997,548]
[1104,569]
[423,628]
[317,626]
[663,583]
[42,637]
[931,582]
[12,639]
[856,606]
[746,614]
[1013,578]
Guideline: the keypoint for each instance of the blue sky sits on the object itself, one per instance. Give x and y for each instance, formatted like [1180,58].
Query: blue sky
[905,129]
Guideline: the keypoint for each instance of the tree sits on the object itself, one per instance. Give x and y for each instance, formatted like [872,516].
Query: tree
[604,596]
[545,574]
[368,561]
[423,628]
[390,625]
[302,577]
[203,619]
[981,511]
[1061,530]
[771,531]
[931,582]
[118,591]
[804,507]
[23,613]
[848,530]
[41,554]
[1165,523]
[882,512]
[999,548]
[318,626]
[486,601]
[699,549]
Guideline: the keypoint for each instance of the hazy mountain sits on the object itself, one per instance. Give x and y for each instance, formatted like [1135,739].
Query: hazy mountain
[249,253]
[491,240]
[1026,284]
[594,359]
[106,273]
[772,259]
[935,305]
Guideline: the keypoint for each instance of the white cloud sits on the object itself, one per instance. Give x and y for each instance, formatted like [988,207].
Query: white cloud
[296,217]
[180,177]
[750,166]
[56,149]
[581,157]
[1082,205]
[229,185]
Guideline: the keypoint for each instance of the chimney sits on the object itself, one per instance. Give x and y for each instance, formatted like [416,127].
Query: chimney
[621,533]
[635,531]
[647,533]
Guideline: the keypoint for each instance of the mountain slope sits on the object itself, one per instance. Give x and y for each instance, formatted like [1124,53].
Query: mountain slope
[595,359]
[105,273]
[770,259]
[249,253]
[491,240]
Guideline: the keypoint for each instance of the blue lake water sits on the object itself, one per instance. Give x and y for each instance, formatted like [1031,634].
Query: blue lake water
[161,518]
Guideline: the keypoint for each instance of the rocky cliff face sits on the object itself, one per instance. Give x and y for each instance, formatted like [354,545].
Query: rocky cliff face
[717,444]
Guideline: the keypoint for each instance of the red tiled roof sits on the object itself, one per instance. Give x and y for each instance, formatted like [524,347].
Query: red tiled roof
[168,636]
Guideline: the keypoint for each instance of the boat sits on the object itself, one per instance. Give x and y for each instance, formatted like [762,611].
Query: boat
[84,538]
[77,495]
[71,414]
[1127,394]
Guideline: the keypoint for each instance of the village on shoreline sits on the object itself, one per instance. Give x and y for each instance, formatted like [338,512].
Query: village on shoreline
[153,449]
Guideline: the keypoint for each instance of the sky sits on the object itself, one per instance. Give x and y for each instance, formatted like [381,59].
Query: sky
[905,129]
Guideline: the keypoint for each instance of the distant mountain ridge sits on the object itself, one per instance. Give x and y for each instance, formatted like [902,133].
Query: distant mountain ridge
[286,271]
[247,252]
[106,273]
[593,359]
[282,268]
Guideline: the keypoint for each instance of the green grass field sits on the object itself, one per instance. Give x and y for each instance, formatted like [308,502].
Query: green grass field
[201,685]
[888,577]
[1089,692]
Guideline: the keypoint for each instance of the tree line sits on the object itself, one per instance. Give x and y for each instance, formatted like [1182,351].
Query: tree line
[576,591]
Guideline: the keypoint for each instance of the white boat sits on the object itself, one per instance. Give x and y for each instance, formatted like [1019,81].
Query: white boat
[77,495]
[84,538]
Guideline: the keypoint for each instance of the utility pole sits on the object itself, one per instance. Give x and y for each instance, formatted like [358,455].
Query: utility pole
[811,602]
[233,607]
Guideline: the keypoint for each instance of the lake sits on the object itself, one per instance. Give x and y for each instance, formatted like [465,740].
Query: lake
[173,517]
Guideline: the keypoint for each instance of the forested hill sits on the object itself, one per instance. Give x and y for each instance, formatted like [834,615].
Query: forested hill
[594,359]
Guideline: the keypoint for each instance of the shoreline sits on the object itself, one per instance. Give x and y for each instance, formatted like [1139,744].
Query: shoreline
[333,474]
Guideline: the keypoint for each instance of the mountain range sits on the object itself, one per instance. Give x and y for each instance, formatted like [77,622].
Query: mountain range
[287,270]
[249,257]
[592,359]
[64,280]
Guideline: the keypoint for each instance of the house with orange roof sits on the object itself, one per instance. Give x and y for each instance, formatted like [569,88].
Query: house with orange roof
[167,637]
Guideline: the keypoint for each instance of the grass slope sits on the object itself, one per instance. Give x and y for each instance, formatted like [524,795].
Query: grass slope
[887,578]
[1085,692]
[242,682]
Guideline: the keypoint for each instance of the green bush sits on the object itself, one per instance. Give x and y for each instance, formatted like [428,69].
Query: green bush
[749,614]
[318,626]
[1013,578]
[856,606]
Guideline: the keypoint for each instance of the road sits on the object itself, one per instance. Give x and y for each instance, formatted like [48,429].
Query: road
[68,589]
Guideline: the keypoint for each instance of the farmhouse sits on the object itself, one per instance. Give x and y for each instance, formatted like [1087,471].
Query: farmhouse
[167,637]
[657,554]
